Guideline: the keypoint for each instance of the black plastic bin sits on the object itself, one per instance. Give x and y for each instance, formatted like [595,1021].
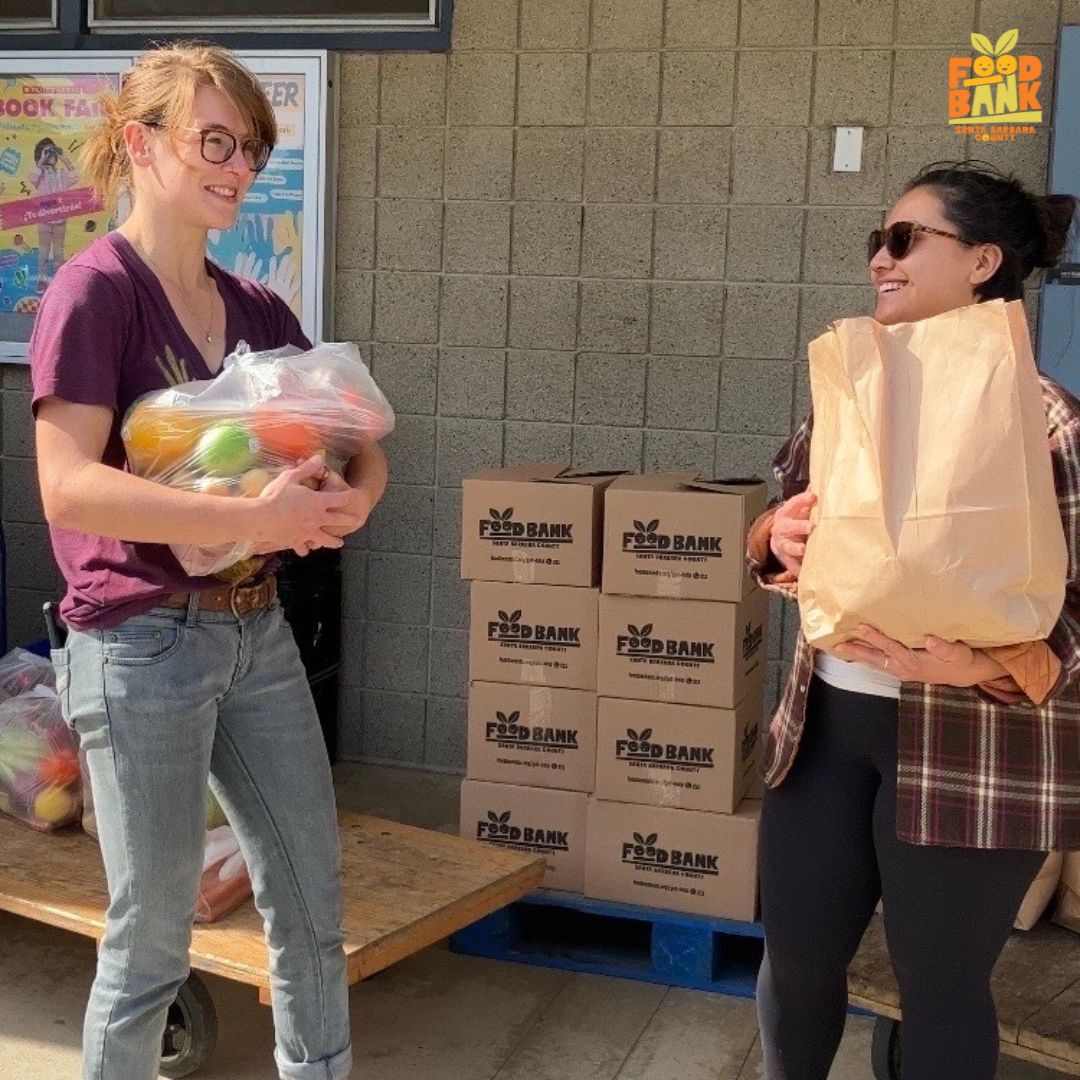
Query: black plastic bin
[310,591]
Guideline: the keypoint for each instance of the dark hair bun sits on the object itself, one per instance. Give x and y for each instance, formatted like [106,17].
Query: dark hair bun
[1055,214]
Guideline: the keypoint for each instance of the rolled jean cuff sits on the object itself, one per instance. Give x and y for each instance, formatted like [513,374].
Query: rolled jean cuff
[337,1067]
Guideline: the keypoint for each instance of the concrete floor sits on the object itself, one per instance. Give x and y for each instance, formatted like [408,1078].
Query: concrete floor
[436,1016]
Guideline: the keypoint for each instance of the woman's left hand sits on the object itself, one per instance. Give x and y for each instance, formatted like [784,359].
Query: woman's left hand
[360,503]
[940,663]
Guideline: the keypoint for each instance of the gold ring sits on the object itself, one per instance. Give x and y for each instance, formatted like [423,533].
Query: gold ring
[885,666]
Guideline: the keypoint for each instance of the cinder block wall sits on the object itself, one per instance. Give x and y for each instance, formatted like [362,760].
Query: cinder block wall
[597,231]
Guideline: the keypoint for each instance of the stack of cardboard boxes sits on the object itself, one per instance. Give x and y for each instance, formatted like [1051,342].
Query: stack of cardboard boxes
[675,645]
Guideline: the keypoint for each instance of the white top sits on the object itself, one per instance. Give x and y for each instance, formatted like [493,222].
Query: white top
[855,677]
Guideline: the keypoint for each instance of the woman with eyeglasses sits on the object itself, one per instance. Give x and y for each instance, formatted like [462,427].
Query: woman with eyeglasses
[168,679]
[934,778]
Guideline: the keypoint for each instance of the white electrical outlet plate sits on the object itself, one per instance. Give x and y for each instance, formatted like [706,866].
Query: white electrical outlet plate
[847,149]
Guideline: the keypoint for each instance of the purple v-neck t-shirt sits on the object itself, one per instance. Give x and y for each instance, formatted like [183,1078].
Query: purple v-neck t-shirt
[105,333]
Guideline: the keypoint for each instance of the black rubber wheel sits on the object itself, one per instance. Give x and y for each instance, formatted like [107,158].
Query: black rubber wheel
[885,1049]
[190,1030]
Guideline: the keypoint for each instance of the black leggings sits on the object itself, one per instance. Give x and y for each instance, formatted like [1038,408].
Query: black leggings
[828,852]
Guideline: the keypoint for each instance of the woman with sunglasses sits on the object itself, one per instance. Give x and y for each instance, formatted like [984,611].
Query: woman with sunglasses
[933,778]
[168,679]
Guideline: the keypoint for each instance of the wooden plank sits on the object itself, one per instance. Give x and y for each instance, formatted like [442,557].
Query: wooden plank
[403,888]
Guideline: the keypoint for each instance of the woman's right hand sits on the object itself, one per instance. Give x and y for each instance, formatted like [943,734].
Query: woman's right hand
[297,517]
[791,525]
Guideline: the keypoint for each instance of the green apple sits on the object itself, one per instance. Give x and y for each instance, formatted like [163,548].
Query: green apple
[226,449]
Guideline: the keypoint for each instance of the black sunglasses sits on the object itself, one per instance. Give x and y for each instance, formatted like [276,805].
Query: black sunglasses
[898,238]
[218,146]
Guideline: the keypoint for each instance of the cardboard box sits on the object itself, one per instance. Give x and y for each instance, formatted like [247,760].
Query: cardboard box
[684,860]
[544,635]
[537,821]
[676,535]
[539,735]
[683,756]
[695,652]
[537,524]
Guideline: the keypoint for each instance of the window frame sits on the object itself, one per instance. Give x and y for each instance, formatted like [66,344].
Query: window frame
[74,28]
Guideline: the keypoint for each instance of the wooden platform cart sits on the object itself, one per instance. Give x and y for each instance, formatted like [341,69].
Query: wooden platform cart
[1036,987]
[404,888]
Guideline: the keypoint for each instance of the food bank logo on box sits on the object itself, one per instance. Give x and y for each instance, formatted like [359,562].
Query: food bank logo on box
[752,638]
[501,526]
[645,854]
[994,96]
[507,728]
[646,538]
[639,746]
[639,642]
[508,629]
[499,829]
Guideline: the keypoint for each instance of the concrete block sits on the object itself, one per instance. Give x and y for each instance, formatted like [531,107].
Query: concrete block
[694,165]
[539,385]
[409,234]
[682,392]
[864,188]
[1028,157]
[823,304]
[392,726]
[411,162]
[472,382]
[776,625]
[690,242]
[350,723]
[764,243]
[396,657]
[701,24]
[410,449]
[479,162]
[355,240]
[485,24]
[835,251]
[851,87]
[1037,20]
[353,583]
[687,318]
[551,88]
[473,311]
[413,88]
[608,448]
[777,22]
[406,375]
[924,22]
[356,162]
[555,24]
[30,563]
[627,24]
[549,164]
[774,87]
[756,397]
[620,165]
[398,588]
[673,451]
[481,88]
[445,737]
[803,399]
[21,497]
[610,389]
[614,316]
[770,165]
[477,238]
[624,88]
[916,98]
[465,447]
[543,313]
[403,521]
[699,88]
[761,321]
[18,424]
[527,442]
[909,148]
[449,663]
[746,456]
[358,102]
[617,241]
[407,307]
[354,294]
[449,595]
[448,522]
[855,22]
[546,239]
[24,613]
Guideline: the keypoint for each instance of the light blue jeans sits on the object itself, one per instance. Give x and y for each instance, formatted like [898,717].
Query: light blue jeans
[161,703]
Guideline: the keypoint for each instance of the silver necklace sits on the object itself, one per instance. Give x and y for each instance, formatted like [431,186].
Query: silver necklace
[187,303]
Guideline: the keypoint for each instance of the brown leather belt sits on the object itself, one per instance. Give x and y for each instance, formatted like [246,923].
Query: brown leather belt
[241,600]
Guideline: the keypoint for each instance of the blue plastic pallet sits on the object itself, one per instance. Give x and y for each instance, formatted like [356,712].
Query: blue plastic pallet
[564,930]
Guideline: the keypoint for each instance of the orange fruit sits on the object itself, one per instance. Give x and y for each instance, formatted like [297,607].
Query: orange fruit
[284,436]
[158,439]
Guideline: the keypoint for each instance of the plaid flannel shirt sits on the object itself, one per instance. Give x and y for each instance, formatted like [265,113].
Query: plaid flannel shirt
[972,772]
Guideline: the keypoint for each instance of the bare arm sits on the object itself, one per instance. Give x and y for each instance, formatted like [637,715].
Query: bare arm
[368,471]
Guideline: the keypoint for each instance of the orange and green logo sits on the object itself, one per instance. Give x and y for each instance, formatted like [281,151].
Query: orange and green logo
[994,95]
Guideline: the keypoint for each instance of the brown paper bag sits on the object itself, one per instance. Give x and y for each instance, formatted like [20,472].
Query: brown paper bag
[936,511]
[1067,912]
[1040,892]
